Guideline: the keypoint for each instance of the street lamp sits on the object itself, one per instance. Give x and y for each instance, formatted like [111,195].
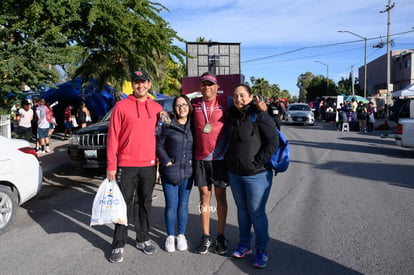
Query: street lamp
[365,60]
[327,73]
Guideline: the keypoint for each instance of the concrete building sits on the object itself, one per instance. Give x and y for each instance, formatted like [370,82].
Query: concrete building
[216,57]
[401,72]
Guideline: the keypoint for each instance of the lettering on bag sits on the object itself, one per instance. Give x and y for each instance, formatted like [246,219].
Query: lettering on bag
[108,200]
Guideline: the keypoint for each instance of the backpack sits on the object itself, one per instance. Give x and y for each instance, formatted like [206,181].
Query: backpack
[279,161]
[361,110]
[48,115]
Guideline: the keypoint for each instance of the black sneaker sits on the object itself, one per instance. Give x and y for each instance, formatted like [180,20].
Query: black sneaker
[117,255]
[205,243]
[221,245]
[146,247]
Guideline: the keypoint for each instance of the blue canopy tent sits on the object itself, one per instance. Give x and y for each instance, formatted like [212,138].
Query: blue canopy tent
[70,93]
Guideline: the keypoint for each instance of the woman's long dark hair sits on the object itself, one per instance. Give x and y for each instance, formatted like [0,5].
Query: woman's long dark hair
[187,100]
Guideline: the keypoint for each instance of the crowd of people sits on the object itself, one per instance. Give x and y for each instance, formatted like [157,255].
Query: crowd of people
[205,144]
[363,114]
[36,122]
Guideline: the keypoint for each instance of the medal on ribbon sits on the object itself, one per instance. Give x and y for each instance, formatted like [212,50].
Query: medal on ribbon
[207,128]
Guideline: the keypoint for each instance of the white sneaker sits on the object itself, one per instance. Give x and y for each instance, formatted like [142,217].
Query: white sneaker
[170,244]
[181,242]
[47,149]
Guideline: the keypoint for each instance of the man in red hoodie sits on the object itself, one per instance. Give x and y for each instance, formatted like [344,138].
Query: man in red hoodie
[132,160]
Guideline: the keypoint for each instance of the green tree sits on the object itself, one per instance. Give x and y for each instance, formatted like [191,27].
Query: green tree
[312,87]
[120,36]
[303,83]
[31,44]
[98,39]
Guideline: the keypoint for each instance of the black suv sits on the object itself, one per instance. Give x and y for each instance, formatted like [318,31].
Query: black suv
[87,146]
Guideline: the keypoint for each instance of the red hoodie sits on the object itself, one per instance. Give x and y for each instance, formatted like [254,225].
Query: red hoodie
[131,133]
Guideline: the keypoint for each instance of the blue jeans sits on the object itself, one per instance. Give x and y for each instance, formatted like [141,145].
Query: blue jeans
[176,205]
[250,195]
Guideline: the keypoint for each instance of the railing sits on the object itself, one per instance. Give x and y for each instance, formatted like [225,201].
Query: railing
[5,126]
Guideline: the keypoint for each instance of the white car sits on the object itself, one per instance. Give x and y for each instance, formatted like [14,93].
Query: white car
[20,178]
[299,113]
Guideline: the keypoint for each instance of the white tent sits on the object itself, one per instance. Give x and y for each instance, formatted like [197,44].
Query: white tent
[406,92]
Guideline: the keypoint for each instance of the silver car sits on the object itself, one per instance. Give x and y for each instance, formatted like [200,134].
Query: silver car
[299,113]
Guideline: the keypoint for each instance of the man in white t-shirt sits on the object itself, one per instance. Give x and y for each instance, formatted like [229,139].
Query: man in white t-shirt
[24,117]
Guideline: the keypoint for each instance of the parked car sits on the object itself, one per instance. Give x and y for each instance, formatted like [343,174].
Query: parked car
[87,146]
[299,113]
[20,178]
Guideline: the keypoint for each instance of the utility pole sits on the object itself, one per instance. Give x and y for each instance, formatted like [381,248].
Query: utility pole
[352,80]
[389,86]
[365,60]
[327,76]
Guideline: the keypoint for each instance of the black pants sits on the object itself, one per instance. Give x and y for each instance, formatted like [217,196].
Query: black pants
[137,185]
[25,133]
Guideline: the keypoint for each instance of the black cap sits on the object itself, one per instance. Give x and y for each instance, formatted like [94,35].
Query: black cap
[139,75]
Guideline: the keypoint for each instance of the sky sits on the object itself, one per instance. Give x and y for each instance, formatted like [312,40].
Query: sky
[281,39]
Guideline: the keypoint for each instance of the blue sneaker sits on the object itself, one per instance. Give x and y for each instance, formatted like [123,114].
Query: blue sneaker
[241,251]
[261,259]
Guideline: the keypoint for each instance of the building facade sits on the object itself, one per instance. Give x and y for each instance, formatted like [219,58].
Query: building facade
[401,72]
[214,57]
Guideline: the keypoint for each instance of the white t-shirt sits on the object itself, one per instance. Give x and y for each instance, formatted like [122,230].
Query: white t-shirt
[25,117]
[41,115]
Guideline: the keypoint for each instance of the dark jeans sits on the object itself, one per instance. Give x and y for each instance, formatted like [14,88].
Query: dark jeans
[25,133]
[137,185]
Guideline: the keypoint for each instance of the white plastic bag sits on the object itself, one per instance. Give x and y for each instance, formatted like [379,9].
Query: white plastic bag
[73,121]
[371,118]
[109,205]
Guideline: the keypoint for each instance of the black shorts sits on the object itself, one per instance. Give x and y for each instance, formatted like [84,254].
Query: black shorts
[210,172]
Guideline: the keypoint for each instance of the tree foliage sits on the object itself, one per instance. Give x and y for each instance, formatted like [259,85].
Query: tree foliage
[313,86]
[32,42]
[345,86]
[262,87]
[121,36]
[98,39]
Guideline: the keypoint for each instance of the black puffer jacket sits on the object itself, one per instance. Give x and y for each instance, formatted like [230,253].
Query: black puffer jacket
[175,144]
[250,144]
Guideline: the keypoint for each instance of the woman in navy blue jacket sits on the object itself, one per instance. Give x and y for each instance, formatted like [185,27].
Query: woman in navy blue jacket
[174,151]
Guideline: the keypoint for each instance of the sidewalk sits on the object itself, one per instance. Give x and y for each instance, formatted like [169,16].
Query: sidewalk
[57,156]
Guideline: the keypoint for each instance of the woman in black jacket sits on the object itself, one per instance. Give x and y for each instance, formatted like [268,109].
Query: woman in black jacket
[252,139]
[174,151]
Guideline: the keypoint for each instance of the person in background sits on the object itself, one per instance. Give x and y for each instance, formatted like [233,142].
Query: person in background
[82,115]
[35,104]
[341,117]
[43,125]
[67,119]
[24,117]
[52,124]
[274,112]
[354,105]
[371,111]
[361,113]
[252,140]
[174,151]
[131,160]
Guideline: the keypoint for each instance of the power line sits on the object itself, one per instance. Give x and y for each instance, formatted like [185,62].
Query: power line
[318,46]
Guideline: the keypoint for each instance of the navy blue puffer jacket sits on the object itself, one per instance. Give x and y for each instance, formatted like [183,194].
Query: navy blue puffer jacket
[175,144]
